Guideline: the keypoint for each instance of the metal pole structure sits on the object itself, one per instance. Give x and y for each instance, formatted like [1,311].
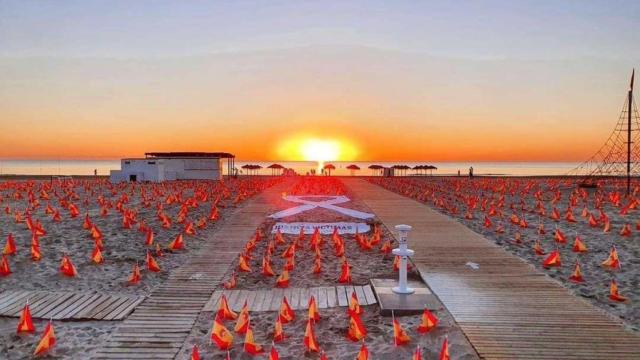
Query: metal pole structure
[629,109]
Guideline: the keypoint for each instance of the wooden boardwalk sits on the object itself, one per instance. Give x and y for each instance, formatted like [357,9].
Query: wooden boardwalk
[298,298]
[67,305]
[159,325]
[506,308]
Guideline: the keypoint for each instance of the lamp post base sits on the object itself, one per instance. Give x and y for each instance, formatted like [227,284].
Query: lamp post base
[398,290]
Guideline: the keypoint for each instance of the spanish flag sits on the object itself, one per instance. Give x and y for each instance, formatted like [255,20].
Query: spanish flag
[152,264]
[273,354]
[177,243]
[249,345]
[552,260]
[10,246]
[67,268]
[286,313]
[400,336]
[149,239]
[135,274]
[386,247]
[444,352]
[310,342]
[224,312]
[220,335]
[35,253]
[243,265]
[363,354]
[559,237]
[579,246]
[279,238]
[278,331]
[612,261]
[345,276]
[354,306]
[231,283]
[427,322]
[283,279]
[576,276]
[195,355]
[357,331]
[47,341]
[613,292]
[317,265]
[25,324]
[537,248]
[96,255]
[417,354]
[5,270]
[266,267]
[314,314]
[242,324]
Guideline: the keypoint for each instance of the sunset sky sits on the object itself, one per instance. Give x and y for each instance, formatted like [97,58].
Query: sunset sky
[386,80]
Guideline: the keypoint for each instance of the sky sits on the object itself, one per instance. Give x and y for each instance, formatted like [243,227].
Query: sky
[388,80]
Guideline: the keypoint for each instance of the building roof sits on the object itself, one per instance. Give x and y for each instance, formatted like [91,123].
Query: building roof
[187,154]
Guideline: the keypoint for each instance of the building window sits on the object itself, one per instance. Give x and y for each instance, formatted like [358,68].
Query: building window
[151,162]
[127,162]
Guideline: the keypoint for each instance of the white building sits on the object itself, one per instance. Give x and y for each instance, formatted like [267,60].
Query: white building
[161,166]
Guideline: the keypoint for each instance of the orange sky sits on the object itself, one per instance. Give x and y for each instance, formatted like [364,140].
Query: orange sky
[537,82]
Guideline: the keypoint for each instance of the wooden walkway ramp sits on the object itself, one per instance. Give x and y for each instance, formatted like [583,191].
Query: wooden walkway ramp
[298,298]
[506,308]
[160,324]
[67,305]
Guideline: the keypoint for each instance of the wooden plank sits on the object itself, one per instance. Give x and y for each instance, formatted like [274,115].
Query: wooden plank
[341,296]
[332,299]
[53,314]
[89,306]
[276,299]
[18,297]
[121,300]
[295,298]
[360,293]
[73,308]
[257,301]
[15,308]
[368,293]
[322,297]
[305,294]
[251,297]
[43,311]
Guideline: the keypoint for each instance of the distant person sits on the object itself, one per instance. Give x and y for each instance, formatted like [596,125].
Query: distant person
[95,172]
[471,172]
[458,172]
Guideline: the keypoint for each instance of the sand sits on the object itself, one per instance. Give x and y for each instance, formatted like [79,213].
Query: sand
[597,279]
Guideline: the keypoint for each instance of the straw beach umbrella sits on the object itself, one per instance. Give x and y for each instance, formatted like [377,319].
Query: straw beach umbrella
[274,168]
[329,167]
[353,168]
[375,168]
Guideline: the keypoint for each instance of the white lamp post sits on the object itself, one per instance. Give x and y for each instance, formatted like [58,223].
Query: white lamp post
[403,252]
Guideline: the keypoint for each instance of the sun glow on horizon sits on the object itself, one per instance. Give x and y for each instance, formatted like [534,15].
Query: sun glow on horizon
[320,150]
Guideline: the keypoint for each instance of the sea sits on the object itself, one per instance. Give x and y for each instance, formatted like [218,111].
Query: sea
[87,167]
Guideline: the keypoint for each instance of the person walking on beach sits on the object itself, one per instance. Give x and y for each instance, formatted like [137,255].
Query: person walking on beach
[458,172]
[471,172]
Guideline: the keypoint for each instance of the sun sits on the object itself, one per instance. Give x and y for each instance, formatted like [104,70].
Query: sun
[306,147]
[320,150]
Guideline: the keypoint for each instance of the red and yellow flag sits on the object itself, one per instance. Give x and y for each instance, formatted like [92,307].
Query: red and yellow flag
[273,354]
[5,270]
[400,336]
[242,324]
[195,355]
[357,331]
[613,292]
[552,260]
[67,268]
[363,354]
[10,246]
[249,344]
[220,335]
[283,279]
[286,312]
[243,264]
[314,314]
[427,322]
[579,246]
[47,341]
[96,255]
[310,342]
[135,274]
[345,275]
[576,276]
[25,324]
[224,311]
[417,354]
[231,283]
[266,267]
[612,261]
[152,264]
[444,352]
[177,243]
[354,305]
[278,331]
